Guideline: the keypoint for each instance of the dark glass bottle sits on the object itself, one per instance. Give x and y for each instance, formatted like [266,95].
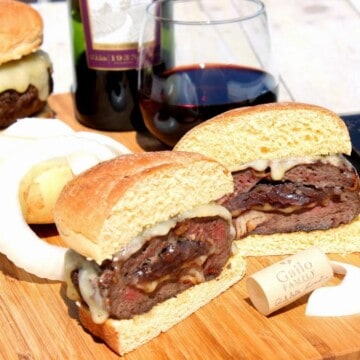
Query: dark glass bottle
[104,93]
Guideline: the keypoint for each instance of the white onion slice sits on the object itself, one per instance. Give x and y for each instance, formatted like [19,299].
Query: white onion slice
[340,300]
[17,240]
[105,140]
[37,128]
[27,131]
[81,161]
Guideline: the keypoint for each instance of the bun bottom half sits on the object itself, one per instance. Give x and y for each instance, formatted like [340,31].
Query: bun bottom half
[40,188]
[123,336]
[342,240]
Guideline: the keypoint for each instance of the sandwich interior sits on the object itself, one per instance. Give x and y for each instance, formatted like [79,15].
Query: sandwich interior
[150,245]
[294,187]
[25,70]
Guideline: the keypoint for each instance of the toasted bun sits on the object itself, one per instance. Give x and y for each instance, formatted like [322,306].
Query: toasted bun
[126,335]
[102,209]
[40,188]
[343,240]
[21,30]
[271,131]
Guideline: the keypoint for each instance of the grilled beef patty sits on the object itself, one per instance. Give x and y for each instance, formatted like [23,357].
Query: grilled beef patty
[309,197]
[195,250]
[14,105]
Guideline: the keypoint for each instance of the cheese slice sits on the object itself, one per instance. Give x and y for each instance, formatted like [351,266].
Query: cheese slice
[32,69]
[278,167]
[340,300]
[89,269]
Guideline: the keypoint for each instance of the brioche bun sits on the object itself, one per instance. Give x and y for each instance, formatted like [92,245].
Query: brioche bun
[21,30]
[123,336]
[270,131]
[102,209]
[25,71]
[277,131]
[94,210]
[40,188]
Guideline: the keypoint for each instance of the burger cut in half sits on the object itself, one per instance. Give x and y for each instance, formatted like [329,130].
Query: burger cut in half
[293,186]
[150,245]
[25,70]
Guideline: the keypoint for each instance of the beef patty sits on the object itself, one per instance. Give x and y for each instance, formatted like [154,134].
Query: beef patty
[195,250]
[315,196]
[14,105]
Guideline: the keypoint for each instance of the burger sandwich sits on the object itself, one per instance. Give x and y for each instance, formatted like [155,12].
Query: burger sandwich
[148,243]
[25,70]
[294,188]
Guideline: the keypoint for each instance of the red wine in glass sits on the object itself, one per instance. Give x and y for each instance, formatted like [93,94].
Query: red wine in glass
[174,101]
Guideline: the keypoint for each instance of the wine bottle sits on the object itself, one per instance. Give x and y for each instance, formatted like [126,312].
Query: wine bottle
[104,38]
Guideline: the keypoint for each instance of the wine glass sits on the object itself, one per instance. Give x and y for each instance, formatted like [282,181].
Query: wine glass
[199,58]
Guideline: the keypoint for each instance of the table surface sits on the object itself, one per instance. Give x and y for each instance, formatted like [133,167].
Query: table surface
[316,46]
[37,321]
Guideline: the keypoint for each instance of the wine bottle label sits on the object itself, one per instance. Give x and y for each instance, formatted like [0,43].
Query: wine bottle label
[111,29]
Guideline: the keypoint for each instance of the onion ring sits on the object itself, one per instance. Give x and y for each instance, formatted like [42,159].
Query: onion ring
[27,131]
[340,300]
[35,128]
[18,241]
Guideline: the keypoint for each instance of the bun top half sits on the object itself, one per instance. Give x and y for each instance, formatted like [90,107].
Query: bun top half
[271,131]
[102,209]
[21,30]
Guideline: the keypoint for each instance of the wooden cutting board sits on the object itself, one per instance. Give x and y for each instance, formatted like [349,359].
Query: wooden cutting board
[38,322]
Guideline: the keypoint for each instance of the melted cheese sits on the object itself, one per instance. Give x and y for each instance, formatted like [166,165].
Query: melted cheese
[164,227]
[29,70]
[278,167]
[89,290]
[89,270]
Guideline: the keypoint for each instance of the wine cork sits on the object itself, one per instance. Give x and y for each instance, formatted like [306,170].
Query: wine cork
[289,279]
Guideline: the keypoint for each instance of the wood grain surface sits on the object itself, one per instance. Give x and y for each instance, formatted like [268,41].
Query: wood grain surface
[38,322]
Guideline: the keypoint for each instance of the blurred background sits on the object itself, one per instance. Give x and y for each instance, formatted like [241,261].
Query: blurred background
[316,44]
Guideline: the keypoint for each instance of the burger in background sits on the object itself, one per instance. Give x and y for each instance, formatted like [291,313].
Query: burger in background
[25,70]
